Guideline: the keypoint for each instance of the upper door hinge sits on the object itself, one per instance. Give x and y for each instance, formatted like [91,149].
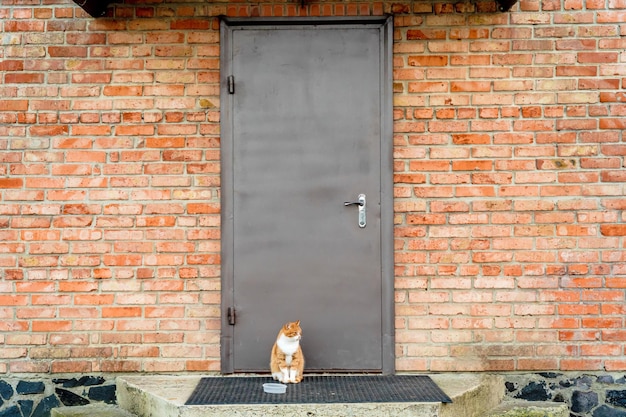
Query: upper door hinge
[231,84]
[231,316]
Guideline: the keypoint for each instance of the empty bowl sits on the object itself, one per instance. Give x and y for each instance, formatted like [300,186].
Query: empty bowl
[275,388]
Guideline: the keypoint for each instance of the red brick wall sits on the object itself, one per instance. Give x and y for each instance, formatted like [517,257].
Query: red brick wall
[509,187]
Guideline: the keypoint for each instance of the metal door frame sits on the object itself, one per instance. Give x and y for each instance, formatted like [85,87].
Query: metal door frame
[385,25]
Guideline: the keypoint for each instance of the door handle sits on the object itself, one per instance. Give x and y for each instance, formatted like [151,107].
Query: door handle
[362,204]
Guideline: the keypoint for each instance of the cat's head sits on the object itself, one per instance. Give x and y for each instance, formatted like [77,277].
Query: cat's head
[293,329]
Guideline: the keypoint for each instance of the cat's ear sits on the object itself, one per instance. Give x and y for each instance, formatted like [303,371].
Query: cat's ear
[298,323]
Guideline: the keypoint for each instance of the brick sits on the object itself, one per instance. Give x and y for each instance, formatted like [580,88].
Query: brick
[468,139]
[121,312]
[101,209]
[427,61]
[67,51]
[615,365]
[470,86]
[613,230]
[597,57]
[51,326]
[122,90]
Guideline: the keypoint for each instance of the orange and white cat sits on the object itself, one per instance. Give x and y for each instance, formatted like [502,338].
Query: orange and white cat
[287,360]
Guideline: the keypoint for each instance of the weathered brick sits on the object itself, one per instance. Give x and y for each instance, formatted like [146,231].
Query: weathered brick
[128,110]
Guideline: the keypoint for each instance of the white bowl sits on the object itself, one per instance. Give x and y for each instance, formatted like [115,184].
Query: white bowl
[275,388]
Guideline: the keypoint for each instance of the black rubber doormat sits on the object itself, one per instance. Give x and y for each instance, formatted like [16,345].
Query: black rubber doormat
[319,390]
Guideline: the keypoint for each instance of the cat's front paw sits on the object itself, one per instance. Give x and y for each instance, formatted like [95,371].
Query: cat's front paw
[294,376]
[278,376]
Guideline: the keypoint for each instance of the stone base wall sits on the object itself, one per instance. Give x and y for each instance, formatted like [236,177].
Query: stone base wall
[587,395]
[35,397]
[593,395]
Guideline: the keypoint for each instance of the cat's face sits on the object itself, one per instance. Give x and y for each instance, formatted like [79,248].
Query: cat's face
[293,330]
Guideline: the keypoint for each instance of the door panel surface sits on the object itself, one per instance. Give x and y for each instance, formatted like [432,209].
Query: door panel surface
[306,134]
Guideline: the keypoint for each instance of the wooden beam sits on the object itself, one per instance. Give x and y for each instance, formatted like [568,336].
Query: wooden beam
[95,8]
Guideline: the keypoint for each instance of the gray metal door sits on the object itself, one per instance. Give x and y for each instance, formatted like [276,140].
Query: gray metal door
[306,129]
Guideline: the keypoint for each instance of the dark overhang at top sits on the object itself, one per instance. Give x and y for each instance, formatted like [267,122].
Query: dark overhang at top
[97,8]
[505,5]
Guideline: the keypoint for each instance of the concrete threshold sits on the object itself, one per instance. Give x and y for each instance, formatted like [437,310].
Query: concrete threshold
[165,396]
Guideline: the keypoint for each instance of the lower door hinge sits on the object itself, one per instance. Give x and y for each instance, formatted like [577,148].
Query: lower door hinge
[231,84]
[231,316]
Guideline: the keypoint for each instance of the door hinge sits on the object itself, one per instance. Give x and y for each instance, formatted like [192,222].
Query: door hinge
[231,316]
[231,84]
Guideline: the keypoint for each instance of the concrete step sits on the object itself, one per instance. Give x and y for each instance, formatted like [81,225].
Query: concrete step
[165,396]
[472,394]
[522,408]
[91,410]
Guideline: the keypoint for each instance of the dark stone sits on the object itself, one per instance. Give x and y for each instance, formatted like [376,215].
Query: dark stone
[566,384]
[510,386]
[30,387]
[549,374]
[104,393]
[69,399]
[558,398]
[621,380]
[45,405]
[6,390]
[26,406]
[583,381]
[606,379]
[12,411]
[583,402]
[616,397]
[85,381]
[534,391]
[90,380]
[606,411]
[67,383]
